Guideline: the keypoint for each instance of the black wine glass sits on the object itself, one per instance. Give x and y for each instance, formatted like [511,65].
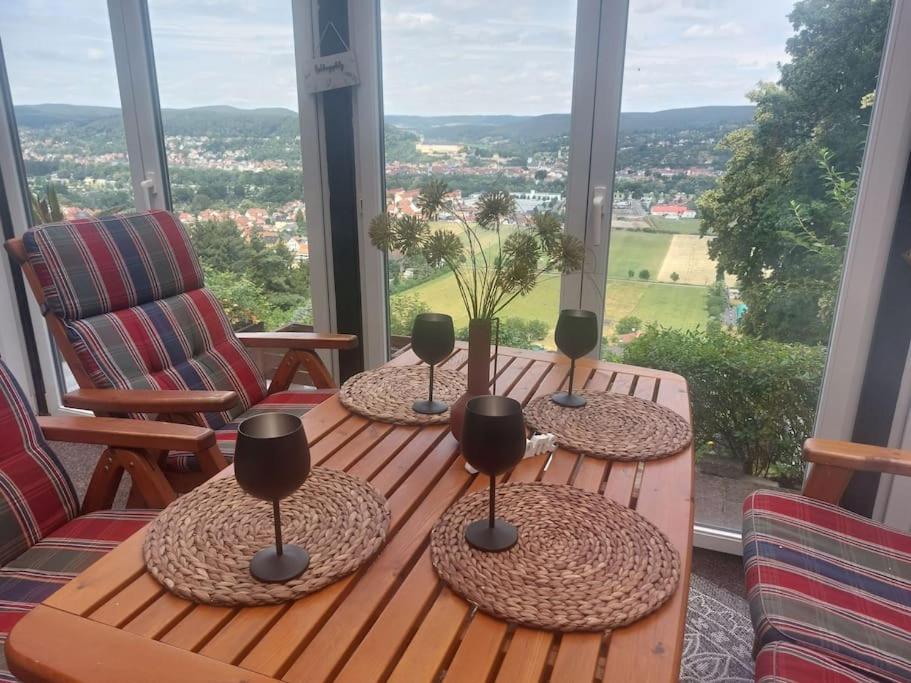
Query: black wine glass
[432,339]
[576,335]
[271,461]
[493,441]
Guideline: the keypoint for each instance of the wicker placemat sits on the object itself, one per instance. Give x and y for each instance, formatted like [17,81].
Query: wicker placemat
[582,562]
[200,546]
[386,394]
[612,426]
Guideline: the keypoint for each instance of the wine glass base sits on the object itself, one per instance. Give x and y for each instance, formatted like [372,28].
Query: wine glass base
[502,536]
[568,400]
[270,567]
[429,407]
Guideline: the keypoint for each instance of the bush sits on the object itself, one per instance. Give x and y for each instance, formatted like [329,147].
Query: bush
[755,398]
[515,332]
[628,324]
[403,309]
[644,274]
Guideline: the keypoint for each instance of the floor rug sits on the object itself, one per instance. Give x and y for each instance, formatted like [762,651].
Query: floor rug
[718,643]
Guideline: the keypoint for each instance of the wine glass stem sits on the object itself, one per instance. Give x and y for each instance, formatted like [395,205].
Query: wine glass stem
[277,518]
[431,383]
[572,372]
[491,520]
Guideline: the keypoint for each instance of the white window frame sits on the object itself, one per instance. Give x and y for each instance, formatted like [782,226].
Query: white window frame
[597,92]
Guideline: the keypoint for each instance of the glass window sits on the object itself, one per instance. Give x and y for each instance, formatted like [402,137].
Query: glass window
[64,88]
[482,104]
[227,86]
[63,81]
[742,132]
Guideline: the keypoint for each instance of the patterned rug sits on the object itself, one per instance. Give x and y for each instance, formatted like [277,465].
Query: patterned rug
[718,643]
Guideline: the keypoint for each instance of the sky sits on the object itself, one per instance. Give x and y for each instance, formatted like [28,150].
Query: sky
[439,56]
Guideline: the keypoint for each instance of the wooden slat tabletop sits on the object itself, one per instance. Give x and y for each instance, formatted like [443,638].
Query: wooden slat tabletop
[393,619]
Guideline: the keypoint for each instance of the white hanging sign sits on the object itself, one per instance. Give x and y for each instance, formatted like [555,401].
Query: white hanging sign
[328,73]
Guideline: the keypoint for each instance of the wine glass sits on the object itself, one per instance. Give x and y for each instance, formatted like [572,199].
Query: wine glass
[432,339]
[493,441]
[271,461]
[576,335]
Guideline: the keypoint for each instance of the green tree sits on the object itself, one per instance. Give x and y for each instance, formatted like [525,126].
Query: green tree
[631,273]
[403,309]
[628,324]
[220,246]
[644,274]
[675,276]
[808,128]
[516,332]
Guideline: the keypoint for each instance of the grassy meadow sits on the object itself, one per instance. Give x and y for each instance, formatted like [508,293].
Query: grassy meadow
[670,304]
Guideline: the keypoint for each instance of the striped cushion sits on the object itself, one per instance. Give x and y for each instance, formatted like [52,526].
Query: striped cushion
[52,562]
[98,265]
[786,663]
[183,342]
[294,402]
[36,496]
[830,580]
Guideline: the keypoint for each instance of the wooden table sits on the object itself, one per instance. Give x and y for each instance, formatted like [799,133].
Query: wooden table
[393,619]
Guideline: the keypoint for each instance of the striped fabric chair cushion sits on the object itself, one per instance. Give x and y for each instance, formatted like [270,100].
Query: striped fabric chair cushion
[49,564]
[294,402]
[36,496]
[184,342]
[98,265]
[786,663]
[130,292]
[827,579]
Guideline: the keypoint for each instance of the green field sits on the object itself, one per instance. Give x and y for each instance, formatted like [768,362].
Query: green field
[683,226]
[630,250]
[671,305]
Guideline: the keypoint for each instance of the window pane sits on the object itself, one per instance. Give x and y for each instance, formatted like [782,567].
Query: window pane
[227,86]
[64,87]
[482,105]
[63,81]
[742,135]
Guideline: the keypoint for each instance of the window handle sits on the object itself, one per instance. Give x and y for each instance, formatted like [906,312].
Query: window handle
[148,185]
[598,197]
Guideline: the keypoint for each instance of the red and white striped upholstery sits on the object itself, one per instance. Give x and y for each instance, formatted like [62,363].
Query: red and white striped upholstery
[786,663]
[826,579]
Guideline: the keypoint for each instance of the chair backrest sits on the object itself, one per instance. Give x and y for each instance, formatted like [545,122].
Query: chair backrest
[130,297]
[36,495]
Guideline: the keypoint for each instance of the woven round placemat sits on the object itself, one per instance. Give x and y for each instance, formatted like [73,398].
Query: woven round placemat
[386,394]
[582,562]
[611,426]
[200,546]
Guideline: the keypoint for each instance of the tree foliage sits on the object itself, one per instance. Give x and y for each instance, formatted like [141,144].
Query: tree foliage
[808,136]
[268,286]
[755,398]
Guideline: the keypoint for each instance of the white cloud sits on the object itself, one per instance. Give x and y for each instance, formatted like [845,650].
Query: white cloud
[409,20]
[725,30]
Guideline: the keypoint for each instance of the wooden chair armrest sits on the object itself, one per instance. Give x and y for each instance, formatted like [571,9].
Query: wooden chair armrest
[123,433]
[857,457]
[150,400]
[297,340]
[835,462]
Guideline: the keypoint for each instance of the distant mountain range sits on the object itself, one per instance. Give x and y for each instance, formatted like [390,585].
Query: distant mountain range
[442,129]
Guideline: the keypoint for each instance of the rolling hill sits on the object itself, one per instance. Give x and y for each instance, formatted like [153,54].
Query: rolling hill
[278,121]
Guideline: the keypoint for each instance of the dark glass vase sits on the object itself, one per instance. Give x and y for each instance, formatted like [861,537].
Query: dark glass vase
[479,341]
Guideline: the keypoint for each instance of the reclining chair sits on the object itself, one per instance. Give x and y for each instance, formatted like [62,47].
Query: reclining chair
[46,537]
[829,590]
[126,303]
